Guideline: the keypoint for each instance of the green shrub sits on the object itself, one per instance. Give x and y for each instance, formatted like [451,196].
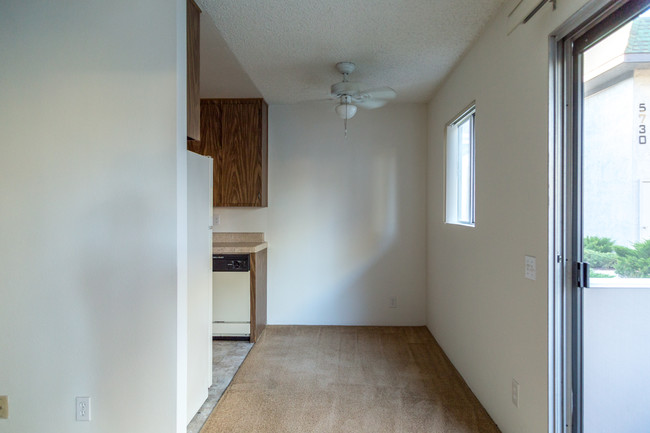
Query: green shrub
[596,243]
[633,262]
[600,260]
[593,274]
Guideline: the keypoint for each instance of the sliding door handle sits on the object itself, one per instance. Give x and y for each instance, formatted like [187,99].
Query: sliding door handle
[582,274]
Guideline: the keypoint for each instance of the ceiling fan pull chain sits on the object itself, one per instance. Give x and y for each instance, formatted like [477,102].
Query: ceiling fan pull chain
[345,121]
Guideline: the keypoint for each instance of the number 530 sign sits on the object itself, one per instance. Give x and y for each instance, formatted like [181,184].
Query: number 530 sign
[642,127]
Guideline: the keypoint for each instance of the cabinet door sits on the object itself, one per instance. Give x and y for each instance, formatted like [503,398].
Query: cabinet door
[234,133]
[210,144]
[193,97]
[241,179]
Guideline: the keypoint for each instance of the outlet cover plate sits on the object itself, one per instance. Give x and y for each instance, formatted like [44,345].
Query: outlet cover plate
[83,408]
[530,267]
[515,393]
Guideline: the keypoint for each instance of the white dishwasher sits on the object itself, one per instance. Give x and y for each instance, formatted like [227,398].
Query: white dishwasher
[231,300]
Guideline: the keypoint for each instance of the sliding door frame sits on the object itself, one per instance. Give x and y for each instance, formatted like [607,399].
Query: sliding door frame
[590,24]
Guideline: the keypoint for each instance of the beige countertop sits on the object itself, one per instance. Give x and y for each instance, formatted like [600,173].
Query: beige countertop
[238,243]
[238,247]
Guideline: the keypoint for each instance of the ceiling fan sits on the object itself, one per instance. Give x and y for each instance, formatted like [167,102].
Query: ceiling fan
[351,96]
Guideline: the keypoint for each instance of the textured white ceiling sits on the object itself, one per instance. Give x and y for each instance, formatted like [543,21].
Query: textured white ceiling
[289,48]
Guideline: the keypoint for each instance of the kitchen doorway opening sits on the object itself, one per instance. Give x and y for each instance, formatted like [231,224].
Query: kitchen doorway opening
[227,357]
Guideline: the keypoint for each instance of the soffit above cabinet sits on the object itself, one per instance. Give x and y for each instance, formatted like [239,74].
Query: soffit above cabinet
[221,74]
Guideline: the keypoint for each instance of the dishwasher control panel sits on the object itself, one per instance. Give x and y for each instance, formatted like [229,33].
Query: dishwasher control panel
[231,263]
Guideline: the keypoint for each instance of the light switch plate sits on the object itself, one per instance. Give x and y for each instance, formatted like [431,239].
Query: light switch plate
[531,268]
[4,407]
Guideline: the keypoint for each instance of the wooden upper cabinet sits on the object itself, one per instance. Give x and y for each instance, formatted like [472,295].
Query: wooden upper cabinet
[234,133]
[193,66]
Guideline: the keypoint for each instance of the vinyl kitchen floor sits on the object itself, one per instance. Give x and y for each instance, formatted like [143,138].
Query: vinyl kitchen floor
[227,356]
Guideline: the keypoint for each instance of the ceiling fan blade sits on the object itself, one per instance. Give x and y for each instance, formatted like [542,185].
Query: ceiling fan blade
[370,104]
[379,93]
[329,99]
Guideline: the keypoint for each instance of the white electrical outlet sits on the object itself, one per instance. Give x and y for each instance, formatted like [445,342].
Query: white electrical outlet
[217,220]
[392,302]
[83,408]
[530,267]
[515,393]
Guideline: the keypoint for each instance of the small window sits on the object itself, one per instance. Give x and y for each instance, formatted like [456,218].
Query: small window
[460,169]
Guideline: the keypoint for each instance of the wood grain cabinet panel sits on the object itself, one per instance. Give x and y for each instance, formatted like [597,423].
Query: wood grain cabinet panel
[193,67]
[234,133]
[258,294]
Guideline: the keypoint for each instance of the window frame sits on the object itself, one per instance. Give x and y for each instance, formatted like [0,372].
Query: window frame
[454,172]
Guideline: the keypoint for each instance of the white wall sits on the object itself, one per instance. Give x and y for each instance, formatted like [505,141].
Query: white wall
[346,219]
[233,219]
[182,254]
[489,319]
[88,221]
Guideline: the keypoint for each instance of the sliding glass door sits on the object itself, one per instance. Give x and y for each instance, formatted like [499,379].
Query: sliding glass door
[609,271]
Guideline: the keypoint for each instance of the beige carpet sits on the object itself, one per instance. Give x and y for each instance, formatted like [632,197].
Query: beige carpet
[300,379]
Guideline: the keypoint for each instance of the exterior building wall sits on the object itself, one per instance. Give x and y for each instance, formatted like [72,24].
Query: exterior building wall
[615,158]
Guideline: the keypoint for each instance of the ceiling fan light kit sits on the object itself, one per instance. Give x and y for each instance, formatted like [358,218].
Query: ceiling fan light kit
[350,95]
[346,111]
